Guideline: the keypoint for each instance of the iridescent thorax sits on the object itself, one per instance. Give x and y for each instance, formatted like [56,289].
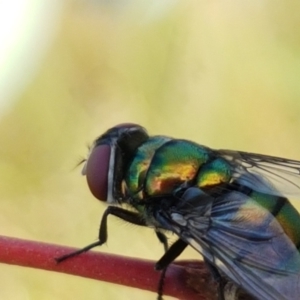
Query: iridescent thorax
[161,165]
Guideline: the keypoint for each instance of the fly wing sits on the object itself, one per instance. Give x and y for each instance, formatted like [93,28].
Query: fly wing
[266,174]
[243,240]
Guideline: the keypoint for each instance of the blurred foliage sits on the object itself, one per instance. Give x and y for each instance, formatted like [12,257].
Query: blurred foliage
[224,74]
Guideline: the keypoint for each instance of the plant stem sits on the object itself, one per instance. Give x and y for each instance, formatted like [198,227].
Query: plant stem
[189,280]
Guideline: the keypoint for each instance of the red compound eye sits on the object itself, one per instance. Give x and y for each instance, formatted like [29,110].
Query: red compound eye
[97,168]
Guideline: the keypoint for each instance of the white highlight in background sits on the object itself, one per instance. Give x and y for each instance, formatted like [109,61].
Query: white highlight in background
[27,28]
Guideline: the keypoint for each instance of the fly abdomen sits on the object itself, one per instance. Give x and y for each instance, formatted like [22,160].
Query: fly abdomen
[284,212]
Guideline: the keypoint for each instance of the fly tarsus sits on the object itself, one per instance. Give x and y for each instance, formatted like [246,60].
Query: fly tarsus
[75,253]
[161,283]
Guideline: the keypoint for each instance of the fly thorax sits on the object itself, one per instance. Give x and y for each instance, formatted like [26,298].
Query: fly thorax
[193,210]
[200,217]
[173,165]
[135,176]
[146,214]
[214,172]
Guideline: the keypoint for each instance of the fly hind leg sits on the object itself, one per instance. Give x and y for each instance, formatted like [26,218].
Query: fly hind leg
[217,278]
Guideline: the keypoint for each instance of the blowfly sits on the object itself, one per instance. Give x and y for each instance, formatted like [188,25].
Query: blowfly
[232,207]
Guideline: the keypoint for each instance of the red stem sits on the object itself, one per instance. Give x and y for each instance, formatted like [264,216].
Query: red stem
[189,280]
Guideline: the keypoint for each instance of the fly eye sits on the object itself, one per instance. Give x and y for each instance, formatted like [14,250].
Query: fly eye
[96,171]
[126,125]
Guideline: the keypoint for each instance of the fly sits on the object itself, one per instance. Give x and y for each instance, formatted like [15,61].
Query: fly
[232,207]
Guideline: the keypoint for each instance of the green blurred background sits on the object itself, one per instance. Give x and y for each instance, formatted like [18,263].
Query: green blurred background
[224,74]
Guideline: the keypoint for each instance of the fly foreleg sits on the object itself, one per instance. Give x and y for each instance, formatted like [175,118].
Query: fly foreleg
[121,213]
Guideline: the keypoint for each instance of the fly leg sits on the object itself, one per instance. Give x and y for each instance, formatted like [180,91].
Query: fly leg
[123,214]
[160,289]
[217,277]
[170,254]
[173,252]
[163,239]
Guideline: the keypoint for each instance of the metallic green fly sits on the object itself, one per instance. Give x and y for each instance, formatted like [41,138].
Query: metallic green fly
[230,206]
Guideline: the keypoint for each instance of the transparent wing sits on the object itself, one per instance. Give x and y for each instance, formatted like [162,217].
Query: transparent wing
[242,239]
[266,174]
